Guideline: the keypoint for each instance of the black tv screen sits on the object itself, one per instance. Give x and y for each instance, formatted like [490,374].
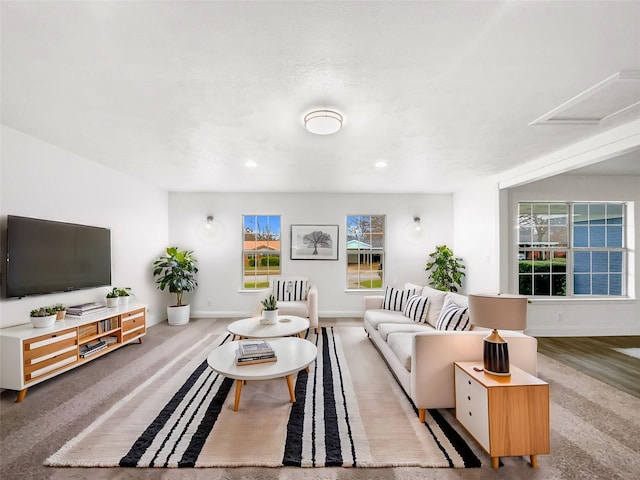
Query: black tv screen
[44,256]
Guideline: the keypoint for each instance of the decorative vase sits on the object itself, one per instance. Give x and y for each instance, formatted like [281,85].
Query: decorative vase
[43,322]
[178,315]
[112,302]
[269,317]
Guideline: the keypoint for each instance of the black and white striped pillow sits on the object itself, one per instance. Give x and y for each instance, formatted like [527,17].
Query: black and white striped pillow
[453,317]
[394,298]
[416,308]
[290,290]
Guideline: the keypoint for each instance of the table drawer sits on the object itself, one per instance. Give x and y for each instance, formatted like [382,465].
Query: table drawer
[472,407]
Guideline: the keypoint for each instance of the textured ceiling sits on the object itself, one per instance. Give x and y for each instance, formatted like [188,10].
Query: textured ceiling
[183,94]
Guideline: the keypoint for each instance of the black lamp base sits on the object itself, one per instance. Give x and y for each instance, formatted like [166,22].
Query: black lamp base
[496,355]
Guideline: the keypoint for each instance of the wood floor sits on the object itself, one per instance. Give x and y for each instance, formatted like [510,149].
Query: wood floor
[596,357]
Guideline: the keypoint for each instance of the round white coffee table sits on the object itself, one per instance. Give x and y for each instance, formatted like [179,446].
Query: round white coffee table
[287,325]
[293,354]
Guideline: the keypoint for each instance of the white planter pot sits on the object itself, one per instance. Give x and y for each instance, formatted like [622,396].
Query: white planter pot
[112,302]
[124,300]
[269,317]
[178,315]
[43,322]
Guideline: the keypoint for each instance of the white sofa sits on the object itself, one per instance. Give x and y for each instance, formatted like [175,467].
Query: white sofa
[421,357]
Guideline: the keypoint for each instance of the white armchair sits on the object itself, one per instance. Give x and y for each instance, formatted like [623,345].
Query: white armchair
[296,296]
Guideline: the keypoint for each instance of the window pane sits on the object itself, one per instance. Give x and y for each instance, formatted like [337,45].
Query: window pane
[558,236]
[582,261]
[600,284]
[525,287]
[558,285]
[615,262]
[596,213]
[615,284]
[582,284]
[596,236]
[541,284]
[614,213]
[580,214]
[614,236]
[559,262]
[600,262]
[580,236]
[559,212]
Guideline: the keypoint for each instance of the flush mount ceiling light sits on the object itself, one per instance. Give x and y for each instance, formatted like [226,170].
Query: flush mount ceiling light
[323,122]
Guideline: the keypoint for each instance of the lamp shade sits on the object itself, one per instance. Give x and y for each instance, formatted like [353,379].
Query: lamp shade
[501,312]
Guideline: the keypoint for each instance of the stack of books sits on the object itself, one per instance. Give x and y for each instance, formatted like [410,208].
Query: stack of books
[86,309]
[91,348]
[250,352]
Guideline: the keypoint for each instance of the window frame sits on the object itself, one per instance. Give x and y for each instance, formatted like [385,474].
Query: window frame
[375,253]
[571,249]
[269,272]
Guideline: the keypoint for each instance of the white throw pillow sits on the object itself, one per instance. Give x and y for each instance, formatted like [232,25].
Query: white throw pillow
[394,298]
[416,308]
[454,317]
[290,290]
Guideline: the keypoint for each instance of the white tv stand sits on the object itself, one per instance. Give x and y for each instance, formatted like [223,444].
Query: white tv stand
[31,355]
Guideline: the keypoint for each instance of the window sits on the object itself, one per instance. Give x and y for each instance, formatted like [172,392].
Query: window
[571,249]
[260,250]
[365,251]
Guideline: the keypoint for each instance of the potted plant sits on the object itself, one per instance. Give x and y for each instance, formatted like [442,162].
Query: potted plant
[43,317]
[124,294]
[270,310]
[176,270]
[112,298]
[60,310]
[446,270]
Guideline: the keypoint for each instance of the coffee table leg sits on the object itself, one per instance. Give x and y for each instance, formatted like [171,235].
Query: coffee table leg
[238,392]
[292,392]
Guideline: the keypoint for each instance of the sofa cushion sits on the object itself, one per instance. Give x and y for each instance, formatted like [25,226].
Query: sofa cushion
[436,302]
[394,298]
[416,308]
[458,299]
[290,290]
[413,286]
[454,317]
[377,316]
[400,345]
[384,329]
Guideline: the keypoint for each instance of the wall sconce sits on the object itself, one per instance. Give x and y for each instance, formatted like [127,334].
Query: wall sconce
[415,231]
[210,231]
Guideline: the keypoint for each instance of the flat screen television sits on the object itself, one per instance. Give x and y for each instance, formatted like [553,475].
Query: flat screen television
[44,256]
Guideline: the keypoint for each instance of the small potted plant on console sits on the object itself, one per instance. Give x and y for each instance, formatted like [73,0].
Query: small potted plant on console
[61,311]
[270,310]
[124,294]
[112,298]
[43,317]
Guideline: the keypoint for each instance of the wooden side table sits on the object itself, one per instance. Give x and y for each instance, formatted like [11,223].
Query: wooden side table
[508,416]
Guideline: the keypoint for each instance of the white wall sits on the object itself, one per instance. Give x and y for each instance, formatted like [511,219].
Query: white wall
[584,316]
[477,235]
[43,181]
[220,264]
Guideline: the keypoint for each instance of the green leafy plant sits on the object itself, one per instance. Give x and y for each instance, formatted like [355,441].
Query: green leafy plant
[125,292]
[58,307]
[176,270]
[445,269]
[42,312]
[270,303]
[113,293]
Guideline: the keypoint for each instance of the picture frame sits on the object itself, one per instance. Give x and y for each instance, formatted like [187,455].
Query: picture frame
[314,242]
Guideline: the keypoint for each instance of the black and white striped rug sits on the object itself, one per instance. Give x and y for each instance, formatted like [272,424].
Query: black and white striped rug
[349,412]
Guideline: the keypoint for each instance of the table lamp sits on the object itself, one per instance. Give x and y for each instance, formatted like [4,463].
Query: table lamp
[497,311]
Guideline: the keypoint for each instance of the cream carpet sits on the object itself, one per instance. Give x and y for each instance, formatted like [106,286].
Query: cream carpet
[348,407]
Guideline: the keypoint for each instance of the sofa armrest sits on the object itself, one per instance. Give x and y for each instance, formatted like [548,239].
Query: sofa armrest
[312,305]
[373,301]
[435,351]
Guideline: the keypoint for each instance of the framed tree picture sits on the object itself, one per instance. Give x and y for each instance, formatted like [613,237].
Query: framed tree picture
[314,242]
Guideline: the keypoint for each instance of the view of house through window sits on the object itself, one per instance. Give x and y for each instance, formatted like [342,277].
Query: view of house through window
[365,251]
[571,249]
[261,249]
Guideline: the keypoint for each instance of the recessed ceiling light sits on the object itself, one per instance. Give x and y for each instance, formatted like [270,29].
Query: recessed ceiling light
[251,164]
[381,164]
[323,122]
